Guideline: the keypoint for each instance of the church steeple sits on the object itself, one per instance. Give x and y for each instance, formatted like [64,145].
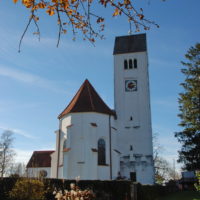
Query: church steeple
[132,106]
[86,100]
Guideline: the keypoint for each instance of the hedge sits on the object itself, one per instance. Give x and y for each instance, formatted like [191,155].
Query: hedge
[116,190]
[104,190]
[150,192]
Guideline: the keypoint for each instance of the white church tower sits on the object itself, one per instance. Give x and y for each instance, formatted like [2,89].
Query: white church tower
[132,106]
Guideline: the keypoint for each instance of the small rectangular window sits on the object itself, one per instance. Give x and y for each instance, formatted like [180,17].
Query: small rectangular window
[135,63]
[130,64]
[125,64]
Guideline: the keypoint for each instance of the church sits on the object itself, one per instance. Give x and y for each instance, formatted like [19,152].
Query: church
[93,141]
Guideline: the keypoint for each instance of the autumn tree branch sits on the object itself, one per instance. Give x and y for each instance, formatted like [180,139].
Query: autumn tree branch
[80,16]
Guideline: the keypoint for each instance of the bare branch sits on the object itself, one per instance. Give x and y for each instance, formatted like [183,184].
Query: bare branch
[20,42]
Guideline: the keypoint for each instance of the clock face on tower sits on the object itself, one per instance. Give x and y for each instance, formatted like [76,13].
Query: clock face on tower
[130,85]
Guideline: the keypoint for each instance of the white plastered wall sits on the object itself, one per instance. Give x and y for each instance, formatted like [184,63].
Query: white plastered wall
[83,131]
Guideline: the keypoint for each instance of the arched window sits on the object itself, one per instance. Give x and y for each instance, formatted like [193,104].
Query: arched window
[135,63]
[101,152]
[125,64]
[130,64]
[65,144]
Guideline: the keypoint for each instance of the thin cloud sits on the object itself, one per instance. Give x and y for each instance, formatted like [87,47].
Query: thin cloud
[29,78]
[18,132]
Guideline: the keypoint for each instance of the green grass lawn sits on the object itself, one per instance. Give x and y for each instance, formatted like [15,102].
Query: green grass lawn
[184,195]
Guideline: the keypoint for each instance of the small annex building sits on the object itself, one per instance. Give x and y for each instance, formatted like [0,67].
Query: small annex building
[40,164]
[95,142]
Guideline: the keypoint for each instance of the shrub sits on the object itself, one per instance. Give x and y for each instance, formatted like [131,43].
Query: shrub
[197,185]
[27,189]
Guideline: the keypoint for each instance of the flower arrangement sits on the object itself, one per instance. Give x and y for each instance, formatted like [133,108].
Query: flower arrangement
[74,194]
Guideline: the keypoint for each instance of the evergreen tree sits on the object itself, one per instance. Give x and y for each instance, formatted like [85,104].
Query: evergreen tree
[189,106]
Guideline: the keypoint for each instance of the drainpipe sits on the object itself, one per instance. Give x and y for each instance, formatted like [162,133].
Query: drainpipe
[58,158]
[110,145]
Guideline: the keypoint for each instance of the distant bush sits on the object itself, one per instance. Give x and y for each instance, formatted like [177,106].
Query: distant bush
[28,189]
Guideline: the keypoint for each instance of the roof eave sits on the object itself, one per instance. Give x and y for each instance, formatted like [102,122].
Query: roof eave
[113,113]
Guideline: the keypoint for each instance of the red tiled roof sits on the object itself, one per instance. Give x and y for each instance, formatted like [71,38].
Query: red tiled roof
[86,100]
[40,159]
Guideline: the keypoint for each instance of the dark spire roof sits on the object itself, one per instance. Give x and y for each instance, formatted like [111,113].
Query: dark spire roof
[130,44]
[86,100]
[40,159]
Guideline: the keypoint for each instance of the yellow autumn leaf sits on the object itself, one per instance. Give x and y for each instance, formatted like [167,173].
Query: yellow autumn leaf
[127,2]
[28,3]
[141,16]
[15,1]
[41,5]
[73,1]
[64,31]
[116,12]
[66,5]
[69,12]
[50,12]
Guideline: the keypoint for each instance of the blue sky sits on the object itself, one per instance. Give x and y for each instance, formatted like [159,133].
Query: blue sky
[37,84]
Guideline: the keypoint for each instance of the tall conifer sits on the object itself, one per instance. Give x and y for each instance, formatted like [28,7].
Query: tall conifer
[189,106]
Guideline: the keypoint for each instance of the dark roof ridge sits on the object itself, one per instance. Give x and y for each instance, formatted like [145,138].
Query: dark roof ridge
[90,95]
[44,151]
